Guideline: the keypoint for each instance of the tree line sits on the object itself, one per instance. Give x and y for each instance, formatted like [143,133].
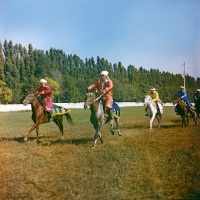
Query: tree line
[69,76]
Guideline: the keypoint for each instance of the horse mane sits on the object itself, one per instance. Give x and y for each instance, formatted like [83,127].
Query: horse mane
[39,98]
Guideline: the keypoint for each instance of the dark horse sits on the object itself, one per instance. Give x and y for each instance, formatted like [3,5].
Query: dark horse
[39,116]
[184,111]
[197,106]
[97,117]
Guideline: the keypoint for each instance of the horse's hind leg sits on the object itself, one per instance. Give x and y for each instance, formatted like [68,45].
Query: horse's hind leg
[58,122]
[159,118]
[118,130]
[111,127]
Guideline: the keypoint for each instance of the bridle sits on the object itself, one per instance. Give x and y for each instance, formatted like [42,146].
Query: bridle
[90,103]
[177,100]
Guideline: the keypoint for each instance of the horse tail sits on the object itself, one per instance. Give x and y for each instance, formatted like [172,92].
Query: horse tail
[69,118]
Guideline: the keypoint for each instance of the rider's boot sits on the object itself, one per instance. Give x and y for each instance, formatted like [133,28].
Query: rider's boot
[110,115]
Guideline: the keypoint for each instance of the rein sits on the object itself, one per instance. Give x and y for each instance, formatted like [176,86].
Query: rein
[97,98]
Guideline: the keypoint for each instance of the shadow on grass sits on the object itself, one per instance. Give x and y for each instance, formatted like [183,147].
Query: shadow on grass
[16,139]
[50,142]
[70,141]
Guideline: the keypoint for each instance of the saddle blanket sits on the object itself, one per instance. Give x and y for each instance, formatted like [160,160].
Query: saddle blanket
[58,110]
[115,109]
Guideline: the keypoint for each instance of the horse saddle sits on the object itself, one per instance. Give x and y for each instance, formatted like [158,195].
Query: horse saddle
[115,108]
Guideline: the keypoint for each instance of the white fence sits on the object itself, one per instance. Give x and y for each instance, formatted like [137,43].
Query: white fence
[21,107]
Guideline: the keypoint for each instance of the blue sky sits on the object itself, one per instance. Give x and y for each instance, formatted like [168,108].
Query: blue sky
[153,34]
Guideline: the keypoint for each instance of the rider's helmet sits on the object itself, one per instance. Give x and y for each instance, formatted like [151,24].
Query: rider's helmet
[104,73]
[182,88]
[153,89]
[43,81]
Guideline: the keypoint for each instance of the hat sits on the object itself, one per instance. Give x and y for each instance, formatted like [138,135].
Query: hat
[198,90]
[153,89]
[181,87]
[104,73]
[43,81]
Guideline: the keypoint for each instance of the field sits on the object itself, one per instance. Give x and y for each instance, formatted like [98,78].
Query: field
[142,164]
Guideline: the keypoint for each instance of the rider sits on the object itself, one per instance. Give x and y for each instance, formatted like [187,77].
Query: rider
[155,97]
[197,96]
[45,91]
[105,86]
[183,94]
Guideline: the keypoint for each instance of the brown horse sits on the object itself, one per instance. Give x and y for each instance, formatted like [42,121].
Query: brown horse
[184,111]
[39,116]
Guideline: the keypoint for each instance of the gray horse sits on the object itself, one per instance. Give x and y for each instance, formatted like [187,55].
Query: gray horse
[98,117]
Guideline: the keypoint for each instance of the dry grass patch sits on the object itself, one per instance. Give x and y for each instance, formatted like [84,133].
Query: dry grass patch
[142,164]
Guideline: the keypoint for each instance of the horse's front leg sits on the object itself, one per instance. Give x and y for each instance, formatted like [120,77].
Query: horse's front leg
[37,132]
[151,121]
[97,127]
[96,136]
[184,121]
[33,127]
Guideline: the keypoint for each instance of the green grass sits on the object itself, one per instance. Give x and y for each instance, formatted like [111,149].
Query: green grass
[142,164]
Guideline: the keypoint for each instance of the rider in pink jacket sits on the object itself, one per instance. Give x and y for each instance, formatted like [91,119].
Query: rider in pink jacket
[105,86]
[45,91]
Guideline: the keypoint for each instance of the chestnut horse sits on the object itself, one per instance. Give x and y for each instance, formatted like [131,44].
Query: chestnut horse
[39,116]
[184,111]
[97,117]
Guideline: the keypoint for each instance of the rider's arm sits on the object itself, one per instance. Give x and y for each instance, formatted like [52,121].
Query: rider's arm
[109,86]
[92,86]
[47,90]
[184,95]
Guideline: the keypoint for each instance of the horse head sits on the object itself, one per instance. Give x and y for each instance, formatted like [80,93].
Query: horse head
[177,98]
[89,99]
[29,99]
[147,100]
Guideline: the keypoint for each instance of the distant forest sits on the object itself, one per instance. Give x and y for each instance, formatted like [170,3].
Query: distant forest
[21,69]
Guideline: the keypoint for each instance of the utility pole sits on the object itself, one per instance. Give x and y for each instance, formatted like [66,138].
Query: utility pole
[184,73]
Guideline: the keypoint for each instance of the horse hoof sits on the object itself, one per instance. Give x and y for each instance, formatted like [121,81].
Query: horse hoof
[119,133]
[25,139]
[112,132]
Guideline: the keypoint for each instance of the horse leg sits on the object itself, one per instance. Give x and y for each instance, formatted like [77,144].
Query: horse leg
[194,116]
[37,132]
[151,121]
[111,127]
[159,118]
[183,121]
[59,122]
[96,136]
[117,122]
[33,127]
[187,120]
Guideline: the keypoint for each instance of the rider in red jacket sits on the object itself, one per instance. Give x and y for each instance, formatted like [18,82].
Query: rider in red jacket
[105,86]
[45,91]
